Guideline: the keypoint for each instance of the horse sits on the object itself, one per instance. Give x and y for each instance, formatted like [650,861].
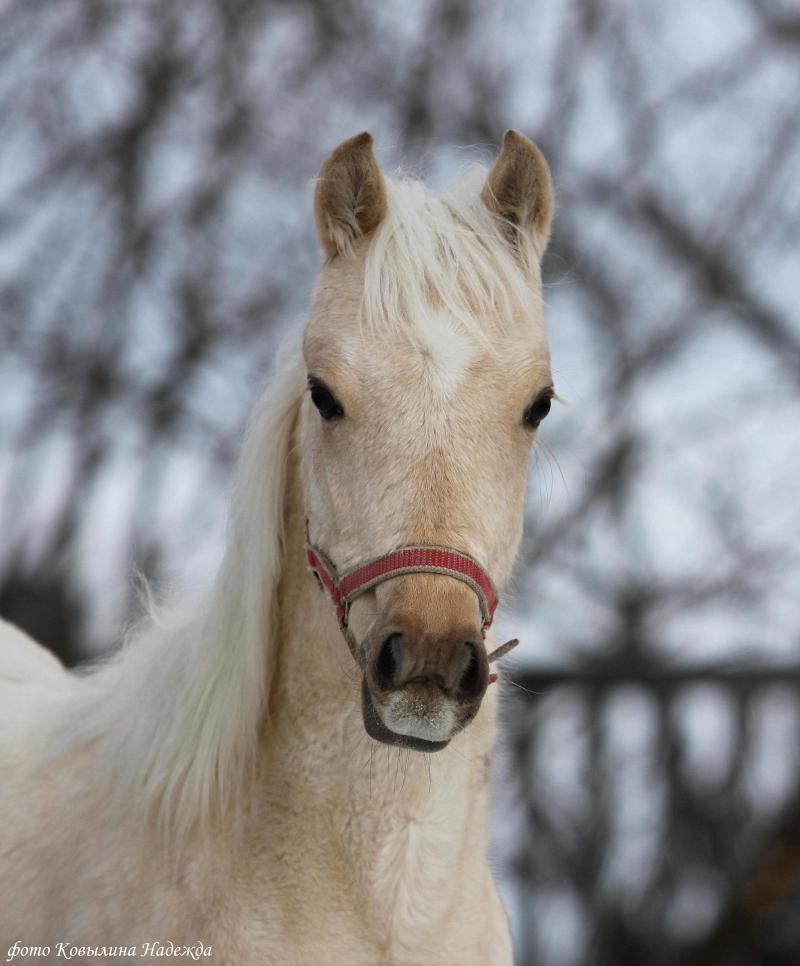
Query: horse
[295,768]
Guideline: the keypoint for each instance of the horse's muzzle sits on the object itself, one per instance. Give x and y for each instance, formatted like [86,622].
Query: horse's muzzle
[425,663]
[421,688]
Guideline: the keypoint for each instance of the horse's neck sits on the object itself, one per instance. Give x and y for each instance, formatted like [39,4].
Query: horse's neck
[391,813]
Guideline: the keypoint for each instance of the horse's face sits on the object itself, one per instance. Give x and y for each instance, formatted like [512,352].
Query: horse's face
[420,433]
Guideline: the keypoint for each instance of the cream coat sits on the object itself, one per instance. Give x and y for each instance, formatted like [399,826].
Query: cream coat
[213,782]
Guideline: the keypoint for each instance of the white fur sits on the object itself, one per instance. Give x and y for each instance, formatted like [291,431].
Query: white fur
[401,716]
[446,353]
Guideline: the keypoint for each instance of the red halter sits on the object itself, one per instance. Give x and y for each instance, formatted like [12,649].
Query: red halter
[344,588]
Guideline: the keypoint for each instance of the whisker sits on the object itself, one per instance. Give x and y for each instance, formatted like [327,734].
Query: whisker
[407,765]
[507,680]
[371,750]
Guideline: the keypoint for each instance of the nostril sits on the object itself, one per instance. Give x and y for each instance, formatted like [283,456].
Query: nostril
[473,680]
[388,662]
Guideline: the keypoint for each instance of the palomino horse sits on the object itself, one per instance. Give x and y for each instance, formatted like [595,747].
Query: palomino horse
[232,783]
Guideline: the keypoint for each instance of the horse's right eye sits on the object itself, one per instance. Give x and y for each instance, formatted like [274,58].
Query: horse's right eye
[538,409]
[328,405]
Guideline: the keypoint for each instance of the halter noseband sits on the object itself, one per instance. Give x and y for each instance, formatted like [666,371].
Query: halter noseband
[422,559]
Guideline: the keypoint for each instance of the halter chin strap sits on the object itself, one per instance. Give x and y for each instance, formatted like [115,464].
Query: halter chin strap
[423,559]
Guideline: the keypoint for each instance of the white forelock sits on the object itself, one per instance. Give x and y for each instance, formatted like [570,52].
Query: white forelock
[446,253]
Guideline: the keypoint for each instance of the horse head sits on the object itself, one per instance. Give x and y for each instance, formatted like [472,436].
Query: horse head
[428,375]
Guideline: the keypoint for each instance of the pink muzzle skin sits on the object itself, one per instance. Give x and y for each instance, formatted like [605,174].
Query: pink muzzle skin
[344,588]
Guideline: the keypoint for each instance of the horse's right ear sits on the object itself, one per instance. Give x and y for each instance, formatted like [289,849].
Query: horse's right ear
[519,191]
[350,199]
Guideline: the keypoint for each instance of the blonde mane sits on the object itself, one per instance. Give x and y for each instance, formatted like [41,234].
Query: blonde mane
[176,712]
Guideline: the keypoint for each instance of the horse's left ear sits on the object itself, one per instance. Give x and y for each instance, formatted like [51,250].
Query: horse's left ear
[519,190]
[350,199]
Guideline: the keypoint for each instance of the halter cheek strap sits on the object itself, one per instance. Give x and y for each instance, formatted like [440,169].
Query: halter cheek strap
[344,588]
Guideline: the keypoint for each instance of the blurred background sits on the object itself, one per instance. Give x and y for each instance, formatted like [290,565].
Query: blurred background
[156,238]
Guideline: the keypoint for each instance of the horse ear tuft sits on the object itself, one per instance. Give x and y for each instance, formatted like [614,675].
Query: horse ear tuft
[350,199]
[519,190]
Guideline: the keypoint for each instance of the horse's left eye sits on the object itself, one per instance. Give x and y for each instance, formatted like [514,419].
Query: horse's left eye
[328,405]
[536,412]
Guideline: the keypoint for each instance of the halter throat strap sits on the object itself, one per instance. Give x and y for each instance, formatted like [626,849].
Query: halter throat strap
[344,588]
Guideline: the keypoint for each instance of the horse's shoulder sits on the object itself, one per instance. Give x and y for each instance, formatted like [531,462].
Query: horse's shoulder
[23,660]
